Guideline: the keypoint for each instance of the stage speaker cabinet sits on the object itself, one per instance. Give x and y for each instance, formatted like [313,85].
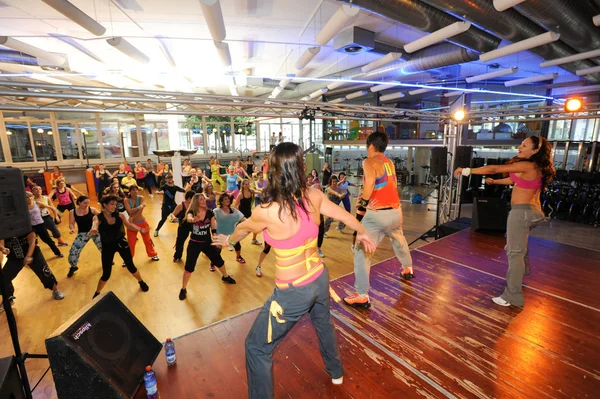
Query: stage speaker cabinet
[489,214]
[101,352]
[439,161]
[13,204]
[10,380]
[463,157]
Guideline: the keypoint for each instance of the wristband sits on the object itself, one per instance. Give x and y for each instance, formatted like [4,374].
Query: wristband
[466,172]
[230,242]
[364,202]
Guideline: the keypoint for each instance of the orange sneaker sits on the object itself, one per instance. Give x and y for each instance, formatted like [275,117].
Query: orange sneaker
[408,273]
[358,301]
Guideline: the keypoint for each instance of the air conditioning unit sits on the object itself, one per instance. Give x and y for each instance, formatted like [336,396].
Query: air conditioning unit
[354,40]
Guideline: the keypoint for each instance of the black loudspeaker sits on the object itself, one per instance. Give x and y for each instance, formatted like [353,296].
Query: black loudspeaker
[13,204]
[328,150]
[439,161]
[463,157]
[10,380]
[489,214]
[453,226]
[101,352]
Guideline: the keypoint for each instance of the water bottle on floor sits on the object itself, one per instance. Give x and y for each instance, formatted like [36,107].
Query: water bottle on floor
[170,352]
[150,383]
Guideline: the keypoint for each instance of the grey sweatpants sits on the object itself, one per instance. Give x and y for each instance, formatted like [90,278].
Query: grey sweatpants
[521,219]
[313,299]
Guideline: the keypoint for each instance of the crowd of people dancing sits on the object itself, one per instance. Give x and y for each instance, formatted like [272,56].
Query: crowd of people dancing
[222,204]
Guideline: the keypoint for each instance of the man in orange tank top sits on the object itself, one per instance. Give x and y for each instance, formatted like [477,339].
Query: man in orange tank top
[383,217]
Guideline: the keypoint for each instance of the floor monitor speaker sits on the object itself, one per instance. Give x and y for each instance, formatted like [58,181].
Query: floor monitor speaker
[101,352]
[489,214]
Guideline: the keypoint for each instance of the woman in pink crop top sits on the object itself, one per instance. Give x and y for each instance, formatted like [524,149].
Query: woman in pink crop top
[289,220]
[528,172]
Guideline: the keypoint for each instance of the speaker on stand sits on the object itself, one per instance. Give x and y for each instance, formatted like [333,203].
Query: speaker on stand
[438,168]
[15,222]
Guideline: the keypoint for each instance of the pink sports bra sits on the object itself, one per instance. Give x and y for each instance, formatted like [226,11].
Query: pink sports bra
[308,229]
[527,184]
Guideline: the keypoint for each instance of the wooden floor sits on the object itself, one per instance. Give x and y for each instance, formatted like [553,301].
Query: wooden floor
[209,300]
[434,337]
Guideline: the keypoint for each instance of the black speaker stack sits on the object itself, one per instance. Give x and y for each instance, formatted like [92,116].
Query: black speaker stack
[489,214]
[439,161]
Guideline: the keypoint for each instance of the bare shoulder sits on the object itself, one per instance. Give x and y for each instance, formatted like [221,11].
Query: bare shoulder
[316,196]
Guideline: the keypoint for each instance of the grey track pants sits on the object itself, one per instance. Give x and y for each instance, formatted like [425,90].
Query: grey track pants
[521,219]
[295,302]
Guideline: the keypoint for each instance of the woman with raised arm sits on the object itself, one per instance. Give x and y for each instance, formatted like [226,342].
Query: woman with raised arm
[83,215]
[529,172]
[109,224]
[66,198]
[245,202]
[288,218]
[50,220]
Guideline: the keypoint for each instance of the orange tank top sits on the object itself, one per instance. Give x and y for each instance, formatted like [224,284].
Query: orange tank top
[385,193]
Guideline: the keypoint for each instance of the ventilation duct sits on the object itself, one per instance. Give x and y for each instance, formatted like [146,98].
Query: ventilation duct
[354,41]
[509,25]
[17,57]
[428,19]
[434,57]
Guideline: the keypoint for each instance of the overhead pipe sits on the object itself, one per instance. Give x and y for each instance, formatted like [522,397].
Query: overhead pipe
[510,25]
[344,16]
[76,15]
[214,19]
[308,55]
[438,36]
[428,19]
[32,50]
[223,52]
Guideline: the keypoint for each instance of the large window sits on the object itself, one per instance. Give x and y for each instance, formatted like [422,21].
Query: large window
[43,141]
[245,137]
[128,130]
[184,135]
[163,136]
[19,142]
[148,138]
[583,129]
[68,140]
[197,134]
[90,140]
[111,141]
[559,130]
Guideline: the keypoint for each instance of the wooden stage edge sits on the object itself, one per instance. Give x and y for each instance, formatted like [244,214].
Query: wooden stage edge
[437,336]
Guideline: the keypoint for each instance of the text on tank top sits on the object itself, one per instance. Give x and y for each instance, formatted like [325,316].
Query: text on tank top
[385,192]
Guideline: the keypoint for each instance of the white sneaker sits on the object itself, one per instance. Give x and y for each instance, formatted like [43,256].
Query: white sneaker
[321,254]
[256,242]
[499,301]
[337,381]
[151,196]
[352,248]
[258,272]
[230,248]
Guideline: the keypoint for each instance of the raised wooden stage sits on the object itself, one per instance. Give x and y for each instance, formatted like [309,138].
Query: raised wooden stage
[437,336]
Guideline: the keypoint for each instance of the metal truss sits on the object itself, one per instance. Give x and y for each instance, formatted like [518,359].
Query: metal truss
[60,98]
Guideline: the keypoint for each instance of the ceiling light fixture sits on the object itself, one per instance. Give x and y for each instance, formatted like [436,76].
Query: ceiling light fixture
[490,75]
[421,91]
[77,45]
[223,52]
[454,93]
[502,5]
[76,15]
[337,84]
[573,104]
[337,100]
[343,17]
[523,45]
[587,71]
[386,59]
[571,58]
[459,115]
[214,19]
[357,94]
[318,93]
[128,49]
[31,50]
[438,36]
[308,55]
[391,96]
[531,79]
[377,88]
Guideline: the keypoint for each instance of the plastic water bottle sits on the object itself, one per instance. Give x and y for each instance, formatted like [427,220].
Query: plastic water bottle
[150,383]
[170,352]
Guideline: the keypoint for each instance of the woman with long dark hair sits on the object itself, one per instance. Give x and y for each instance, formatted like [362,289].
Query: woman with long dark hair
[83,216]
[288,218]
[529,172]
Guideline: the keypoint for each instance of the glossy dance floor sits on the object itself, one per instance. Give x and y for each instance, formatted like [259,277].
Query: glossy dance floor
[436,336]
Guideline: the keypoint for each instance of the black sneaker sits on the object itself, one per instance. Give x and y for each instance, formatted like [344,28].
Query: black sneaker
[124,264]
[176,260]
[72,271]
[182,294]
[155,258]
[144,286]
[228,280]
[60,256]
[95,295]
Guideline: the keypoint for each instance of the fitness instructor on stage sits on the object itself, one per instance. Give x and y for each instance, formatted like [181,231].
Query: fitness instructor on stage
[383,217]
[529,172]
